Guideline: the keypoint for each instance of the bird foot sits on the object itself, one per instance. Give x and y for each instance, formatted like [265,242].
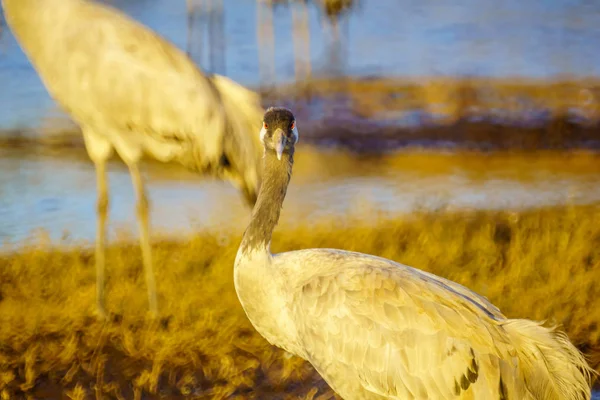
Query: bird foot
[101,314]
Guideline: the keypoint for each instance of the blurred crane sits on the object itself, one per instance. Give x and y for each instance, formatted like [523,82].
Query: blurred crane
[2,35]
[331,11]
[265,42]
[210,15]
[132,91]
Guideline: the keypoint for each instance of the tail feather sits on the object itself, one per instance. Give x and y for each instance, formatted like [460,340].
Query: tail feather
[552,366]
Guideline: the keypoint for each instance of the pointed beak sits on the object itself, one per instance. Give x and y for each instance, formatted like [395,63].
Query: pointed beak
[279,139]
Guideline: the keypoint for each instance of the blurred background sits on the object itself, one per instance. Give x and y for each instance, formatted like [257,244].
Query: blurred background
[384,76]
[403,106]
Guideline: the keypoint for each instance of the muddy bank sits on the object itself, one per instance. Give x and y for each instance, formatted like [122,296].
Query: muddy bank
[558,134]
[386,114]
[369,137]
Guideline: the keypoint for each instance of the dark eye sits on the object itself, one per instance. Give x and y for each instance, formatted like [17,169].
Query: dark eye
[265,125]
[293,125]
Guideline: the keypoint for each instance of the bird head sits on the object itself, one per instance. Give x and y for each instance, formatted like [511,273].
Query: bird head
[279,132]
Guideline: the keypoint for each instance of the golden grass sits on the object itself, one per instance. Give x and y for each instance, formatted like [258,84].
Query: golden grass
[540,264]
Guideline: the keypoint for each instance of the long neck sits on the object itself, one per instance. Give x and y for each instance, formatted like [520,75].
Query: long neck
[16,10]
[19,10]
[31,21]
[276,177]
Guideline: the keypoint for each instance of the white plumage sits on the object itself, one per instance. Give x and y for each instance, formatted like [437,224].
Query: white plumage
[134,92]
[377,329]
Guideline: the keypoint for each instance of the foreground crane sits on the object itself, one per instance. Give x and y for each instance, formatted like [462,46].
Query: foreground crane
[375,329]
[135,93]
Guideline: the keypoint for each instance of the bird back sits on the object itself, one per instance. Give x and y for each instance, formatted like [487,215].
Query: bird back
[120,79]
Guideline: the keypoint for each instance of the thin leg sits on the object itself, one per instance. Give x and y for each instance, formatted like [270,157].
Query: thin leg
[142,216]
[260,39]
[102,213]
[335,33]
[301,38]
[266,44]
[190,26]
[195,17]
[221,42]
[210,36]
[270,35]
[216,37]
[305,30]
[100,150]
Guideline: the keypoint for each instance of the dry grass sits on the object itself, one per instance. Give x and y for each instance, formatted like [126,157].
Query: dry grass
[541,264]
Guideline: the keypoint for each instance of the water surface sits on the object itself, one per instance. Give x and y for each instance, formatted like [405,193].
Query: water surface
[58,194]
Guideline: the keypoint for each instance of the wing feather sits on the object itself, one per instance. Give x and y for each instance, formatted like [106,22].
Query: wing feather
[400,333]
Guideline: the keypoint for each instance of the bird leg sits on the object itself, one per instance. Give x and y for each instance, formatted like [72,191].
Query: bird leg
[195,13]
[102,212]
[264,15]
[142,216]
[336,44]
[191,11]
[301,39]
[216,36]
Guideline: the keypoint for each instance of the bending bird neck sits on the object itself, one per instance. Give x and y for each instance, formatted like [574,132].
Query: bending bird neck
[276,177]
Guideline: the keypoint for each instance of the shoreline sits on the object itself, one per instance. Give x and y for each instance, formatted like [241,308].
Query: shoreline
[360,138]
[382,114]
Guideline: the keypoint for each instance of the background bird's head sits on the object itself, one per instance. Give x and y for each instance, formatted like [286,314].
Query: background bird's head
[243,174]
[242,150]
[279,132]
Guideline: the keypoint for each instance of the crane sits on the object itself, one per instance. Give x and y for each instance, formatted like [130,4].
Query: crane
[330,12]
[377,329]
[133,92]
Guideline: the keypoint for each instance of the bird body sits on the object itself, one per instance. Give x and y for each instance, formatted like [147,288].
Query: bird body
[133,92]
[377,329]
[127,84]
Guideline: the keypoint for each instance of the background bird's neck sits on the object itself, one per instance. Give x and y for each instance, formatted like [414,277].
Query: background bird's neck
[17,9]
[31,19]
[275,180]
[24,7]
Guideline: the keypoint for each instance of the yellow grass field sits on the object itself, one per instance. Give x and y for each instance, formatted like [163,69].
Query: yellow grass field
[539,264]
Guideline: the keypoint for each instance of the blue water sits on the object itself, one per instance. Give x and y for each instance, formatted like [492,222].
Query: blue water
[384,37]
[58,194]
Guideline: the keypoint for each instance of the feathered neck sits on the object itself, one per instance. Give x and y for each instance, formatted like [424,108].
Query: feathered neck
[276,177]
[21,8]
[29,20]
[17,10]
